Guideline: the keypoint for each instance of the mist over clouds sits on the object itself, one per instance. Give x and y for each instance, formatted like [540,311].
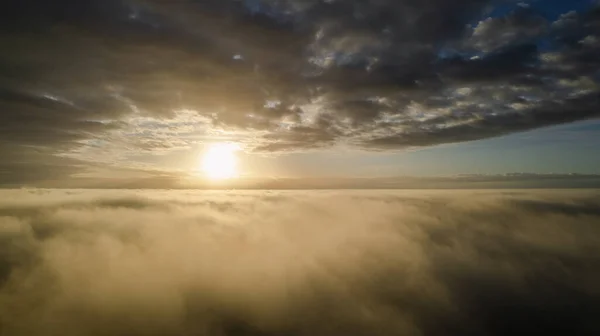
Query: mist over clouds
[132,263]
[91,83]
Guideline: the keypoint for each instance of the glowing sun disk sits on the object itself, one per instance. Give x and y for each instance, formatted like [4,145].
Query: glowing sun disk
[219,162]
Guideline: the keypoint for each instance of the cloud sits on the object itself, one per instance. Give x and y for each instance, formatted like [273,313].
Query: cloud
[152,179]
[286,75]
[521,25]
[303,263]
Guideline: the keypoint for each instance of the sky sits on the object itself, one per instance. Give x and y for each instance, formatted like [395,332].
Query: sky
[137,92]
[116,116]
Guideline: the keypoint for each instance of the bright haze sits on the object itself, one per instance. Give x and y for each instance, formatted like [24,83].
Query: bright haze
[133,93]
[299,167]
[264,263]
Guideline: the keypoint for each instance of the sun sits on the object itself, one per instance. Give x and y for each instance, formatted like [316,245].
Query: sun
[219,161]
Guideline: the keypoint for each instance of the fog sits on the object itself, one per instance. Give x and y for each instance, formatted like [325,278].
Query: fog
[76,262]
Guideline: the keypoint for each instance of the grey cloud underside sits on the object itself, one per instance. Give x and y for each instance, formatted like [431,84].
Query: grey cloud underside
[377,74]
[520,26]
[299,263]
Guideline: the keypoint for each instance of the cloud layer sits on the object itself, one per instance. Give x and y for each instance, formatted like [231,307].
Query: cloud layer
[96,79]
[299,263]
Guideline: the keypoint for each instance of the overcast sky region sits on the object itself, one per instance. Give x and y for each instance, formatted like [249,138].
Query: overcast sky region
[120,92]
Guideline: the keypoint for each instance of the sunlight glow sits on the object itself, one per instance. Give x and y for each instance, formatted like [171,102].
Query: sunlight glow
[219,161]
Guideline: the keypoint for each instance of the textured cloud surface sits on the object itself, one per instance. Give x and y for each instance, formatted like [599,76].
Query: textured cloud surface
[299,263]
[96,79]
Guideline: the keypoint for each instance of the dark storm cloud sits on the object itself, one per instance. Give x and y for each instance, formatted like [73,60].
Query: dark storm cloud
[377,71]
[580,35]
[299,263]
[549,113]
[523,24]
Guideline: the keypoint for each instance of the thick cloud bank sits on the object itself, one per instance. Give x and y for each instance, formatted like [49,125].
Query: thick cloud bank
[299,263]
